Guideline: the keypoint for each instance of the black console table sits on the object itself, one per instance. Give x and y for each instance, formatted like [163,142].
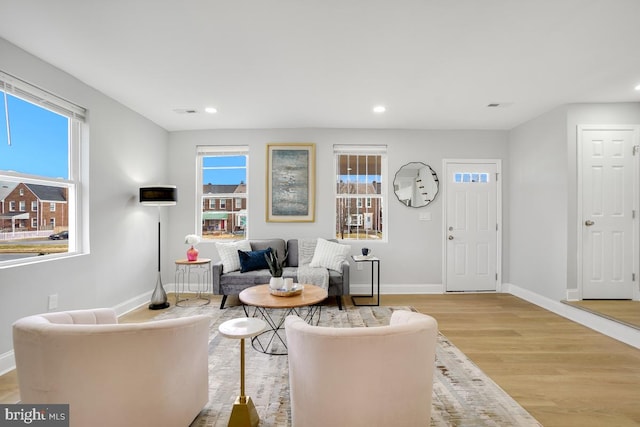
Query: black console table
[374,277]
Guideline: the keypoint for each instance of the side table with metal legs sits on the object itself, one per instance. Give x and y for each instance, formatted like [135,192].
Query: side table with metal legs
[186,271]
[244,412]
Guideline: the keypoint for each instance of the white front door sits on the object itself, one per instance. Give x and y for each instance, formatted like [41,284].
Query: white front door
[608,227]
[471,225]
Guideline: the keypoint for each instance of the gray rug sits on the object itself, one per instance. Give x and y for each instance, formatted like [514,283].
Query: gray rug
[462,394]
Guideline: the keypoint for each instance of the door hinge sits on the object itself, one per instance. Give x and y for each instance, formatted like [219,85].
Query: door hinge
[633,277]
[633,214]
[635,149]
[496,277]
[497,174]
[496,226]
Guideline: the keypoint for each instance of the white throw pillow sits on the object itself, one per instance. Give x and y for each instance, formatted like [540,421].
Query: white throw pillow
[329,255]
[229,254]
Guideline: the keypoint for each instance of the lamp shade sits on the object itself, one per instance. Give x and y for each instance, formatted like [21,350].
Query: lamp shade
[159,195]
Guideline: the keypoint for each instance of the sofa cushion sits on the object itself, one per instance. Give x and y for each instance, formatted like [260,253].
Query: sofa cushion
[276,245]
[229,254]
[253,260]
[329,255]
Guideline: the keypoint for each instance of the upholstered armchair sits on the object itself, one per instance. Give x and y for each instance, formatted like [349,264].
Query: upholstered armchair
[376,376]
[110,374]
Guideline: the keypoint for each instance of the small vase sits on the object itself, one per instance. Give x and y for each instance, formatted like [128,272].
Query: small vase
[276,283]
[192,254]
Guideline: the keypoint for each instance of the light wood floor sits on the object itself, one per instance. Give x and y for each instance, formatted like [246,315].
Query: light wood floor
[564,374]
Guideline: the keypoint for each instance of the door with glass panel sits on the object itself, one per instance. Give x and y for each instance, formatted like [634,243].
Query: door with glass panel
[471,226]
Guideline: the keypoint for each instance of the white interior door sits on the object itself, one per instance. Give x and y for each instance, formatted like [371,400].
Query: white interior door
[471,238]
[609,163]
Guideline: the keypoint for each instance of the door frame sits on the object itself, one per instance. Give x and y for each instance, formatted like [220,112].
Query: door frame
[635,203]
[444,182]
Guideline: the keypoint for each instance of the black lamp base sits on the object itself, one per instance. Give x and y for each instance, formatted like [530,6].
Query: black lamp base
[159,306]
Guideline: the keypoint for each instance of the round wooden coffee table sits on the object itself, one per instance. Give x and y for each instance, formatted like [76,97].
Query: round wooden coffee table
[258,302]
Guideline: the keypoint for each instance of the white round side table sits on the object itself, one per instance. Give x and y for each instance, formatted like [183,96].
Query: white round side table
[244,411]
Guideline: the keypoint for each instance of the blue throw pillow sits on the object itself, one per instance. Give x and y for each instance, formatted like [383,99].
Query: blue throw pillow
[253,260]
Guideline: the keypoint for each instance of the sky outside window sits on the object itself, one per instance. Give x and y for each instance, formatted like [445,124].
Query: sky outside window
[39,140]
[220,170]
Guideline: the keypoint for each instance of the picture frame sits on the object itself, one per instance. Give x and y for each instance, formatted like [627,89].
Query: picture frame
[290,183]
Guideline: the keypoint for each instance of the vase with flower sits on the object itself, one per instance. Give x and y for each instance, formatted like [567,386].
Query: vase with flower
[192,252]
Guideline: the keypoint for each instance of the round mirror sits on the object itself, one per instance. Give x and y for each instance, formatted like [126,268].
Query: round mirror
[415,184]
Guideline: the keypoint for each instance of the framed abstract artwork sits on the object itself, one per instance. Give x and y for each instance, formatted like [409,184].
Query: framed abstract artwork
[290,182]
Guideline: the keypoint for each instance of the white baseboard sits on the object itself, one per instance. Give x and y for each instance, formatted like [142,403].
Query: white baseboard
[7,362]
[573,295]
[133,303]
[611,328]
[140,300]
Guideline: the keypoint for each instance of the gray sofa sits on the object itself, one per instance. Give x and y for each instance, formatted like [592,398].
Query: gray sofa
[232,283]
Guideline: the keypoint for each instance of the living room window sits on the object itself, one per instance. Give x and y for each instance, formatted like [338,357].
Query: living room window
[40,143]
[222,176]
[360,192]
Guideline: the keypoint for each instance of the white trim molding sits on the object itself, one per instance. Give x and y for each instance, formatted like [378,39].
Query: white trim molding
[610,328]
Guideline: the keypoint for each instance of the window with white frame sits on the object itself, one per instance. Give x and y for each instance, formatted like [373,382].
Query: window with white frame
[52,207]
[40,143]
[361,175]
[222,175]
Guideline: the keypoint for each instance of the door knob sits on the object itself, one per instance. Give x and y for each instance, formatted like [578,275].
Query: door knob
[589,223]
[450,237]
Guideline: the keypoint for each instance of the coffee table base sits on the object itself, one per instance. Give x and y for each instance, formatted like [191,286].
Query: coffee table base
[244,413]
[264,342]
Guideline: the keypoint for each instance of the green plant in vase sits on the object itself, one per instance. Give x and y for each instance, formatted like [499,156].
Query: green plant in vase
[276,268]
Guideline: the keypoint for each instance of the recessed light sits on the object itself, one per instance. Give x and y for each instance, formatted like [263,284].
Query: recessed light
[211,110]
[379,109]
[637,87]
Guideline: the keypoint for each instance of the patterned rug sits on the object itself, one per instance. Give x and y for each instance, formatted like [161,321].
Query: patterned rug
[462,394]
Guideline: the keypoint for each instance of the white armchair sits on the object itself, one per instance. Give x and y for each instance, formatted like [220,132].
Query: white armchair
[376,376]
[110,374]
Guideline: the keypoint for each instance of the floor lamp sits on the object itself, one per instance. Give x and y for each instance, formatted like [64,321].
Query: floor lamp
[159,195]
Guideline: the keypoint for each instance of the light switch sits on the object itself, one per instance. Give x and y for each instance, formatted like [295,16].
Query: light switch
[425,216]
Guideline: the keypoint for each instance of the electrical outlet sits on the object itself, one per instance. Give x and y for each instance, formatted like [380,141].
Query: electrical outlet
[53,302]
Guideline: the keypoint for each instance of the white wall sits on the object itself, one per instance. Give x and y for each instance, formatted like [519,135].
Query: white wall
[125,150]
[412,257]
[538,204]
[543,195]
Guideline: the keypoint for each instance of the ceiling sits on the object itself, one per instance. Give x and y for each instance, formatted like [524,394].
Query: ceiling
[434,64]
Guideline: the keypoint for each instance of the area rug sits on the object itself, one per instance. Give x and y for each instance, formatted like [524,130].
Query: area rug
[462,394]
